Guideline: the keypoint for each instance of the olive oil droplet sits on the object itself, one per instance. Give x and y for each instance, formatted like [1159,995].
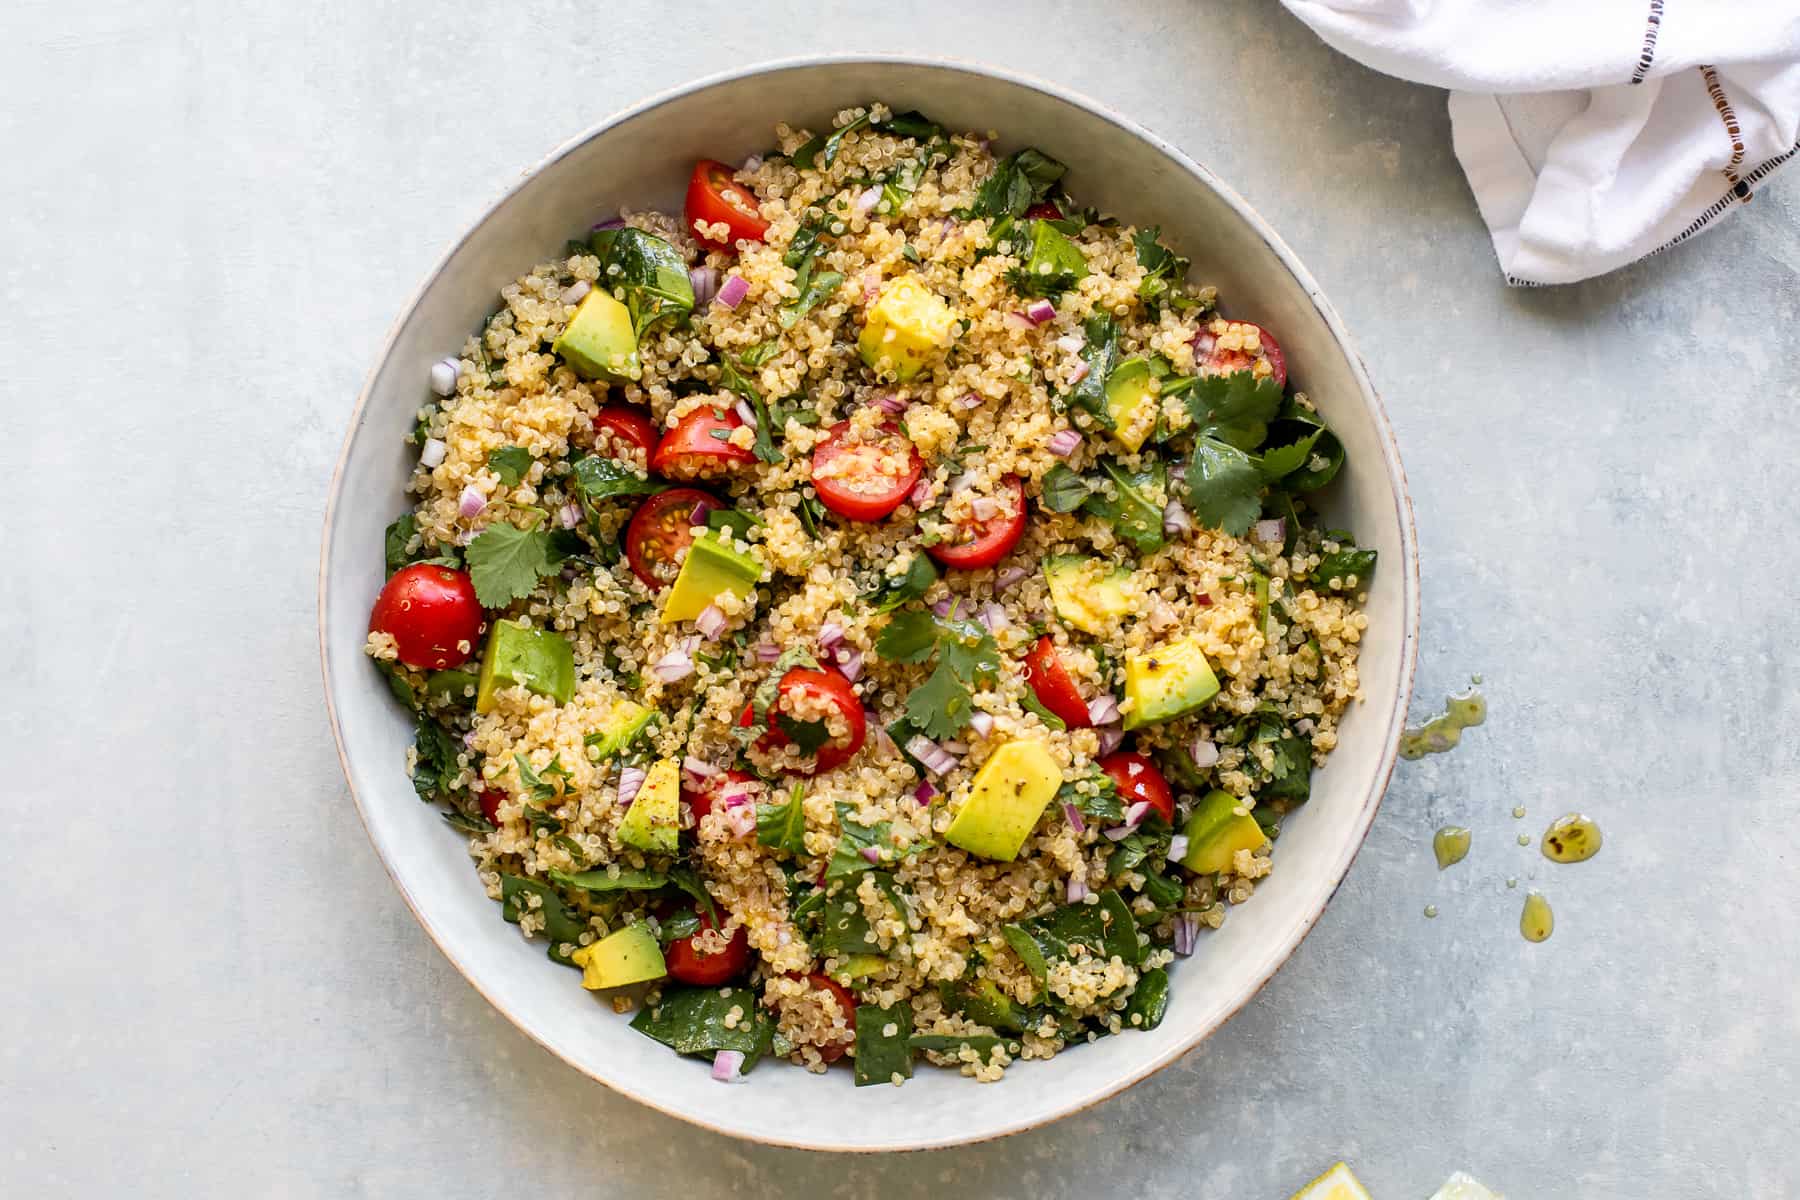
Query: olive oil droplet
[1518,812]
[1571,838]
[1451,845]
[1430,911]
[1524,839]
[1536,922]
[1512,882]
[1444,731]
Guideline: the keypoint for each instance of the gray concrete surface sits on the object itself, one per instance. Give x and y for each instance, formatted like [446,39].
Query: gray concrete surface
[212,211]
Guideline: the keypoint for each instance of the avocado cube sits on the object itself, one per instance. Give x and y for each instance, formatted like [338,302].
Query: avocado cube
[653,822]
[620,728]
[1009,794]
[990,1006]
[858,966]
[599,341]
[628,955]
[1220,827]
[1169,681]
[906,327]
[1131,402]
[518,655]
[712,567]
[452,686]
[1054,260]
[1086,593]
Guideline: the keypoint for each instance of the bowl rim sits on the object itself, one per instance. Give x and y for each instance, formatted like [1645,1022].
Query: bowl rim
[1276,954]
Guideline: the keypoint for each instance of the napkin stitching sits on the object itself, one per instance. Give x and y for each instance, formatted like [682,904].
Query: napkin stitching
[1651,28]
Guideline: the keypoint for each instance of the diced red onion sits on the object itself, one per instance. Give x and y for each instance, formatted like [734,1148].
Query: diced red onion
[711,622]
[1161,615]
[955,747]
[1204,341]
[1079,373]
[1064,442]
[471,502]
[1018,320]
[630,780]
[698,515]
[1187,932]
[443,376]
[1175,518]
[850,663]
[469,740]
[962,482]
[767,651]
[705,282]
[866,200]
[1071,343]
[1103,710]
[727,1064]
[985,508]
[1078,889]
[871,285]
[1009,577]
[615,223]
[1118,833]
[872,853]
[994,617]
[933,757]
[830,634]
[942,607]
[745,413]
[920,496]
[1203,600]
[1178,847]
[1274,530]
[753,163]
[732,292]
[1204,753]
[982,723]
[569,515]
[1039,311]
[968,401]
[887,402]
[741,821]
[699,768]
[1134,816]
[924,792]
[676,664]
[1110,739]
[1073,816]
[431,454]
[733,795]
[576,292]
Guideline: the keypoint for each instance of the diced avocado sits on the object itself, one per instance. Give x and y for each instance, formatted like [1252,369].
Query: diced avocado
[598,341]
[1167,681]
[517,654]
[621,726]
[453,686]
[653,822]
[628,955]
[1131,402]
[712,567]
[1054,261]
[1009,794]
[858,966]
[1087,593]
[986,1003]
[1219,828]
[906,327]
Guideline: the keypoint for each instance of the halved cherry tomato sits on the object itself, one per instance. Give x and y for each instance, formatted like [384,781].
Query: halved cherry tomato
[815,685]
[713,196]
[489,799]
[1137,778]
[990,540]
[702,969]
[431,613]
[697,448]
[1055,690]
[846,1001]
[661,528]
[1239,360]
[864,480]
[701,801]
[1045,211]
[628,425]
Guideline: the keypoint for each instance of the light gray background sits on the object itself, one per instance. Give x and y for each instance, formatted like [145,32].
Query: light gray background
[212,211]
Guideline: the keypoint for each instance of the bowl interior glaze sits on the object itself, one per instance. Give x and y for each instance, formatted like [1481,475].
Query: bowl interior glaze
[641,159]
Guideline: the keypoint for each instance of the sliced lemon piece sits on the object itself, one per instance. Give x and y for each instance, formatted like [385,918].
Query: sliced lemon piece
[1461,1186]
[1335,1184]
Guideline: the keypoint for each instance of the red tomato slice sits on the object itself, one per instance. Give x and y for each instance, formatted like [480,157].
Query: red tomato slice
[864,480]
[846,1001]
[1043,212]
[701,969]
[660,530]
[489,799]
[713,196]
[701,801]
[1137,778]
[627,425]
[1222,361]
[816,685]
[1055,689]
[991,540]
[431,613]
[697,447]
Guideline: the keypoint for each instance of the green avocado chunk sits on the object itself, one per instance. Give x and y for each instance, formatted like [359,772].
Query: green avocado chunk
[712,567]
[599,341]
[1167,681]
[653,822]
[625,956]
[1131,402]
[1219,828]
[1087,593]
[538,659]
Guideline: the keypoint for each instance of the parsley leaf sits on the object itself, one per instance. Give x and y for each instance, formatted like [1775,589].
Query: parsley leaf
[1224,488]
[911,584]
[598,478]
[783,826]
[506,562]
[1018,182]
[1164,270]
[510,463]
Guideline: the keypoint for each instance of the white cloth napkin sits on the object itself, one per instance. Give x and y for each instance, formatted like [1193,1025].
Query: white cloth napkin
[1593,132]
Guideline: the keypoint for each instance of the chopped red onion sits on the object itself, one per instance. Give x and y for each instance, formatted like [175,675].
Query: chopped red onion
[711,622]
[1204,341]
[569,515]
[1064,442]
[732,292]
[1178,847]
[1073,816]
[1161,615]
[705,281]
[753,163]
[866,200]
[924,792]
[469,740]
[955,747]
[733,795]
[920,496]
[431,454]
[887,402]
[982,723]
[1079,373]
[872,853]
[741,820]
[985,508]
[443,376]
[1071,343]
[1110,739]
[1204,753]
[1134,816]
[745,413]
[576,292]
[850,662]
[1118,833]
[1039,311]
[699,768]
[1009,577]
[994,617]
[968,400]
[1175,518]
[830,634]
[1018,320]
[676,664]
[471,502]
[1187,932]
[630,780]
[1270,531]
[1103,710]
[767,651]
[931,756]
[698,515]
[727,1064]
[1078,889]
[615,223]
[942,607]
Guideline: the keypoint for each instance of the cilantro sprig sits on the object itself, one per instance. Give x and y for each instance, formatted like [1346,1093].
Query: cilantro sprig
[506,562]
[966,658]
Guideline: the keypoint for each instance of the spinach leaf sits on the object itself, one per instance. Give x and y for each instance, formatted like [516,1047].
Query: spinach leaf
[1163,892]
[1101,354]
[397,682]
[733,379]
[463,823]
[561,927]
[1133,510]
[848,859]
[651,275]
[510,463]
[807,242]
[911,584]
[1032,704]
[1291,778]
[807,736]
[598,478]
[688,881]
[817,288]
[1149,1001]
[823,149]
[911,124]
[738,522]
[1019,181]
[1053,265]
[783,826]
[1103,805]
[1224,488]
[435,764]
[811,511]
[882,1051]
[1336,569]
[841,927]
[394,544]
[983,1044]
[1105,929]
[704,1020]
[1062,489]
[601,879]
[677,925]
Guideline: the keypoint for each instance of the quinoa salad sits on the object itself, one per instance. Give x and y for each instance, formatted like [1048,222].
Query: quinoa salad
[875,613]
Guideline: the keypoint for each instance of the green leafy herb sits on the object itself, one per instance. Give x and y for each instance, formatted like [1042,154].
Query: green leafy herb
[808,239]
[397,682]
[677,925]
[818,288]
[822,150]
[1032,704]
[651,274]
[1101,354]
[807,736]
[398,535]
[435,764]
[1224,488]
[705,1020]
[1063,489]
[848,858]
[1149,1001]
[738,522]
[510,463]
[1281,460]
[1052,266]
[732,378]
[598,478]
[840,927]
[911,584]
[1019,181]
[463,823]
[506,562]
[1235,408]
[783,826]
[983,1044]
[1336,569]
[911,124]
[602,879]
[1135,508]
[689,882]
[1290,778]
[1103,930]
[1164,270]
[910,637]
[910,253]
[561,927]
[811,511]
[967,658]
[882,1051]
[1102,806]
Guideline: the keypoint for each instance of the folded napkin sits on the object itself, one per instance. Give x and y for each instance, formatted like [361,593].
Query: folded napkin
[1593,132]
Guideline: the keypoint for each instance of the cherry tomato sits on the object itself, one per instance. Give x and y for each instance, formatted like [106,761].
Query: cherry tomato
[696,448]
[1055,690]
[713,196]
[1238,360]
[489,799]
[846,1001]
[701,801]
[661,528]
[816,685]
[1045,211]
[627,425]
[431,613]
[990,540]
[864,480]
[1138,779]
[702,969]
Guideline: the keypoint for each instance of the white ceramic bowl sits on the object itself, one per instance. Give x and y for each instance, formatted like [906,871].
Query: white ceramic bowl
[642,158]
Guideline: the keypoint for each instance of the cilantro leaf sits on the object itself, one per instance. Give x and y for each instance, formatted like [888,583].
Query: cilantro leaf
[783,826]
[911,584]
[398,535]
[1019,181]
[941,706]
[1164,269]
[1224,488]
[1234,408]
[598,478]
[510,463]
[970,651]
[910,637]
[1277,461]
[506,562]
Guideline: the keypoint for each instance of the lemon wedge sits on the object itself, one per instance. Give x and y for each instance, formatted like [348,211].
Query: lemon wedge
[1465,1187]
[1335,1184]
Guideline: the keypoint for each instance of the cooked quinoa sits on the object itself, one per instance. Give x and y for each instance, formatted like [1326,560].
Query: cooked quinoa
[1008,641]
